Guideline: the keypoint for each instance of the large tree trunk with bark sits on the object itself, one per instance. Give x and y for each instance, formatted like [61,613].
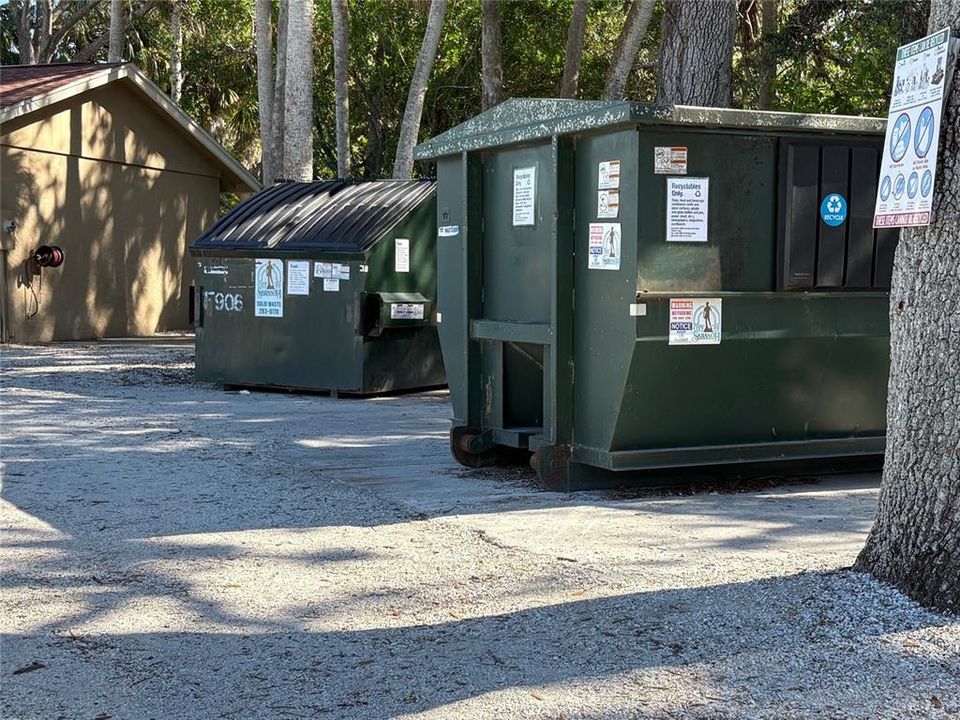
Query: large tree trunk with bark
[628,44]
[263,29]
[341,84]
[491,57]
[696,52]
[298,93]
[410,127]
[768,59]
[573,52]
[277,141]
[24,14]
[915,541]
[176,54]
[118,28]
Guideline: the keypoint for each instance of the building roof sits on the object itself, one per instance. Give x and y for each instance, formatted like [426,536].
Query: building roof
[339,216]
[521,120]
[24,89]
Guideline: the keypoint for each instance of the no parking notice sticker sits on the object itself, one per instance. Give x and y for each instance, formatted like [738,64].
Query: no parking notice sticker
[908,168]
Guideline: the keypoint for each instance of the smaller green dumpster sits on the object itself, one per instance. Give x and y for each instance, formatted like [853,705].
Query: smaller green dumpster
[326,286]
[640,292]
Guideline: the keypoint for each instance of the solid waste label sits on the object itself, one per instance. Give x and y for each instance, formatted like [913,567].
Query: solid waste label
[670,160]
[908,167]
[406,311]
[401,255]
[298,277]
[604,246]
[608,175]
[608,203]
[524,196]
[687,209]
[695,321]
[268,288]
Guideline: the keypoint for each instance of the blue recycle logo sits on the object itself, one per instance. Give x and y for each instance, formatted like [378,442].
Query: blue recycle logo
[833,209]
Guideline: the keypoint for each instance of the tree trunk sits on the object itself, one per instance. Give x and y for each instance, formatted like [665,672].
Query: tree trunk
[277,140]
[768,27]
[263,29]
[628,44]
[176,54]
[117,30]
[410,128]
[24,15]
[298,93]
[574,49]
[696,53]
[341,83]
[491,59]
[915,541]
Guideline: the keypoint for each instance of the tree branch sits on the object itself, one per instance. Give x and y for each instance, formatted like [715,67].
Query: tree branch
[93,48]
[47,50]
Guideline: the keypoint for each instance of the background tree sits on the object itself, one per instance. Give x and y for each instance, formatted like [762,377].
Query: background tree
[915,541]
[628,43]
[341,69]
[696,53]
[574,49]
[263,25]
[410,127]
[298,92]
[118,27]
[176,51]
[491,59]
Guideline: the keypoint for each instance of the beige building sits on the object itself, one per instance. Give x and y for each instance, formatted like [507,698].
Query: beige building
[97,160]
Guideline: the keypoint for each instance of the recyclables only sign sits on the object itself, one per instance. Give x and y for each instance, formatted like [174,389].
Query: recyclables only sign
[909,165]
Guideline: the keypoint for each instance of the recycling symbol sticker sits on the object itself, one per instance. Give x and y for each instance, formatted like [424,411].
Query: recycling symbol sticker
[833,209]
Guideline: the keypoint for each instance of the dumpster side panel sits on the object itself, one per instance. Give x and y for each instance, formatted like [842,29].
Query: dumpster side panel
[405,358]
[603,327]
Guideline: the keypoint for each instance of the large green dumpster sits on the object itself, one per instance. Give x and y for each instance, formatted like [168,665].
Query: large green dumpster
[627,288]
[325,286]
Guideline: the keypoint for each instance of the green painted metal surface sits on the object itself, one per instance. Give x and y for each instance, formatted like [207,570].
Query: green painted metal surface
[343,341]
[546,354]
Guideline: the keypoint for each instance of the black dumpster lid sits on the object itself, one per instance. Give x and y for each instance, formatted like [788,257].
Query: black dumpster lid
[326,216]
[524,119]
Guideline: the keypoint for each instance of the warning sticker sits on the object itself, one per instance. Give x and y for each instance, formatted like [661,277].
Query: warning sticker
[331,285]
[695,321]
[608,203]
[401,255]
[608,177]
[268,289]
[406,311]
[604,246]
[670,160]
[298,277]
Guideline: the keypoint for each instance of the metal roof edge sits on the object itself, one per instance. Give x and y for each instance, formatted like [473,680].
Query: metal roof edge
[603,114]
[136,78]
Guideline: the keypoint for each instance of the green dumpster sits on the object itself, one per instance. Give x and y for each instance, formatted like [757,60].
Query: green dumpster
[327,286]
[627,289]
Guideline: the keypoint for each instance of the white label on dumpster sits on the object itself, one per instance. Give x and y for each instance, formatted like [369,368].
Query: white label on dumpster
[331,285]
[401,255]
[687,209]
[608,203]
[605,245]
[406,311]
[323,270]
[608,175]
[341,271]
[670,160]
[695,321]
[298,277]
[448,230]
[524,196]
[268,288]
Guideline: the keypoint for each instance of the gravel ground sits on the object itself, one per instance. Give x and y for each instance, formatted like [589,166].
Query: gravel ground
[174,551]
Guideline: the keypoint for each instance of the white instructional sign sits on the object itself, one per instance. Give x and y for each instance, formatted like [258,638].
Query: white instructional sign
[695,321]
[331,271]
[687,209]
[331,285]
[608,203]
[670,160]
[323,270]
[401,255]
[524,196]
[608,175]
[268,288]
[604,246]
[298,277]
[908,168]
[406,311]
